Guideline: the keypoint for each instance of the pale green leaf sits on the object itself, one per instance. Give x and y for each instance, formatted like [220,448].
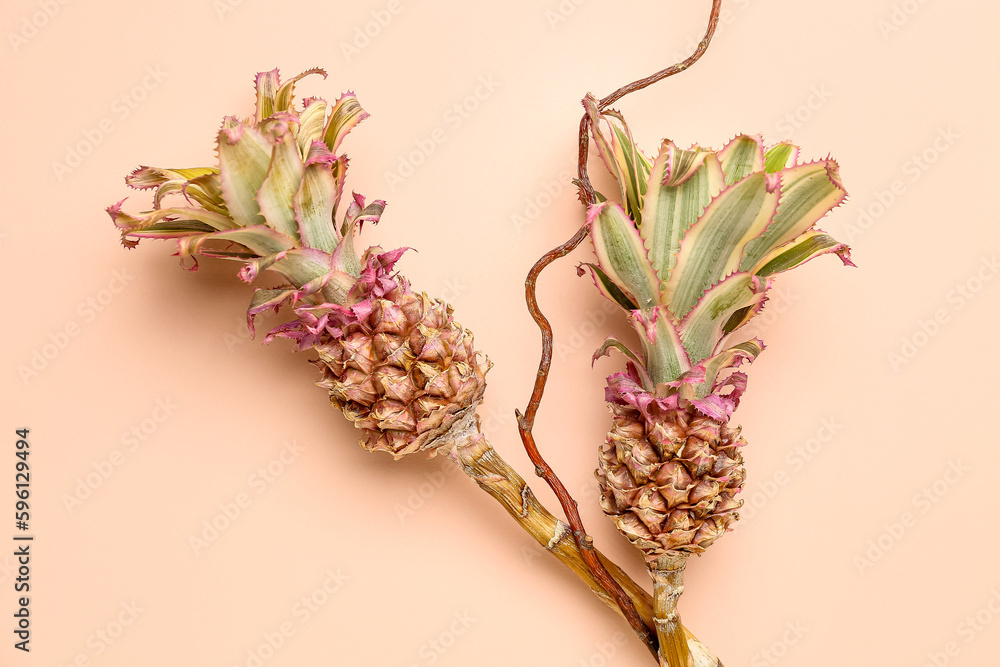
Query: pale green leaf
[314,203]
[747,350]
[681,184]
[213,221]
[613,343]
[662,349]
[267,88]
[284,98]
[244,158]
[623,159]
[603,144]
[632,164]
[703,328]
[312,122]
[151,177]
[713,246]
[741,157]
[610,290]
[799,251]
[206,190]
[260,240]
[345,256]
[808,192]
[621,254]
[346,113]
[300,266]
[277,192]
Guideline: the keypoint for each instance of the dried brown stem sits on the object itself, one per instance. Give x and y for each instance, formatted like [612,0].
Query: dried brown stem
[583,182]
[584,542]
[526,421]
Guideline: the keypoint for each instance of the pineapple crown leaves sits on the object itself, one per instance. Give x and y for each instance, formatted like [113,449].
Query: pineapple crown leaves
[691,251]
[699,388]
[315,322]
[272,202]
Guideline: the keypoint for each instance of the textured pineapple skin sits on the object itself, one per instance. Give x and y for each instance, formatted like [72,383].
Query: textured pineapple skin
[405,374]
[669,478]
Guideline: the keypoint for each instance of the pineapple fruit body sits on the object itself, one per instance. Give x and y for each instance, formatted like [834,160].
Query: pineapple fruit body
[394,361]
[669,476]
[405,374]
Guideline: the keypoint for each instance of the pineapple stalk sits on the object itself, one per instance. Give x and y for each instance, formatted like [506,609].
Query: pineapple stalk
[468,448]
[472,452]
[668,584]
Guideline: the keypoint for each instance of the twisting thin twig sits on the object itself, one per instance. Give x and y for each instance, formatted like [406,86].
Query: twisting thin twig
[527,421]
[586,189]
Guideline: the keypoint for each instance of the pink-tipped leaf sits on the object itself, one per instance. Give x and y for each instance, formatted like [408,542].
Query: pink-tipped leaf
[621,254]
[620,155]
[681,184]
[800,250]
[312,124]
[703,327]
[662,349]
[808,192]
[346,114]
[284,97]
[244,158]
[714,245]
[742,156]
[284,175]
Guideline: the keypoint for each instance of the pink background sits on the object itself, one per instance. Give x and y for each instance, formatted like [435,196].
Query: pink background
[840,559]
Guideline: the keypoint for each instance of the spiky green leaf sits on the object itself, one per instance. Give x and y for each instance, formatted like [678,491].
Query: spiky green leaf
[621,254]
[315,200]
[346,114]
[267,88]
[164,217]
[746,351]
[312,122]
[799,251]
[276,193]
[204,190]
[681,184]
[781,156]
[607,287]
[151,177]
[662,350]
[620,155]
[634,166]
[613,343]
[259,239]
[713,246]
[244,157]
[345,256]
[284,97]
[703,328]
[808,192]
[742,156]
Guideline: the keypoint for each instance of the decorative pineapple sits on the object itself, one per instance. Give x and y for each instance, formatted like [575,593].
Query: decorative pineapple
[690,254]
[395,362]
